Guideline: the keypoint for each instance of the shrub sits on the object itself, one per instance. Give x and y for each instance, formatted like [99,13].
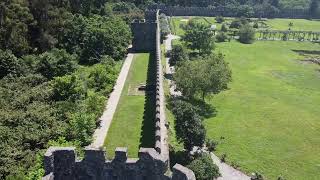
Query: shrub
[178,54]
[204,168]
[189,127]
[256,25]
[55,63]
[211,145]
[9,64]
[219,19]
[224,28]
[67,88]
[221,37]
[82,126]
[246,34]
[257,176]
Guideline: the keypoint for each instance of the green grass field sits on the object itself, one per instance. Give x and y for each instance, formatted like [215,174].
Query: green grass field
[274,24]
[132,125]
[269,119]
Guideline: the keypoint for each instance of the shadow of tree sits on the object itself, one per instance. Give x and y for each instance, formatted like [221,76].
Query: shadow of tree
[147,137]
[303,52]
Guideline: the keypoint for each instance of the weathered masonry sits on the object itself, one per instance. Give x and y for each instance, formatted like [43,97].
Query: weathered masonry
[152,164]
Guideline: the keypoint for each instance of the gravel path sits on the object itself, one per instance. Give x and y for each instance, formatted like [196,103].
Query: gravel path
[227,172]
[106,118]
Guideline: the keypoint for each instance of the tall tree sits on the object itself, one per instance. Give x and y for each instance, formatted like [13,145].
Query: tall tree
[314,8]
[199,36]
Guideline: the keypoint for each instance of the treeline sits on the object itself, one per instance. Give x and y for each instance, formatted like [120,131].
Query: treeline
[59,60]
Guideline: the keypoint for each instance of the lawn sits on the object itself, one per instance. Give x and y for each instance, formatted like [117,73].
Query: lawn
[133,124]
[274,24]
[268,121]
[298,24]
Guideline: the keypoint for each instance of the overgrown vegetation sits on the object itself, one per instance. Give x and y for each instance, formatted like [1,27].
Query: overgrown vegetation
[58,61]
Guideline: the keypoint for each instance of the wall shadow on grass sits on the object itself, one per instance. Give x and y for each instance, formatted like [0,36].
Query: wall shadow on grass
[147,138]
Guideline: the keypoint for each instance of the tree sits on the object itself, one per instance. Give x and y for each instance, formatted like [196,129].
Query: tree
[246,34]
[245,10]
[189,127]
[96,36]
[199,36]
[55,63]
[221,37]
[224,28]
[178,54]
[9,64]
[209,74]
[204,168]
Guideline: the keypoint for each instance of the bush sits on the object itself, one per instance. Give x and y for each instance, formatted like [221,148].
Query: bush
[246,34]
[9,64]
[221,37]
[256,25]
[204,168]
[238,23]
[211,145]
[55,63]
[219,19]
[67,88]
[189,127]
[224,28]
[178,54]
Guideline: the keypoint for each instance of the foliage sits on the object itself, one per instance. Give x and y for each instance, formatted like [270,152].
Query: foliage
[221,37]
[256,25]
[211,145]
[55,63]
[224,28]
[178,54]
[9,64]
[245,11]
[219,19]
[209,74]
[164,26]
[246,34]
[314,8]
[204,168]
[198,36]
[188,126]
[95,36]
[238,22]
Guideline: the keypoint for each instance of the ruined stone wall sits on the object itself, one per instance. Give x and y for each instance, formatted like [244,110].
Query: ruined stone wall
[62,164]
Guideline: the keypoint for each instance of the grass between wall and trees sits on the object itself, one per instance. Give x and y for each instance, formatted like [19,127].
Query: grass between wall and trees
[133,122]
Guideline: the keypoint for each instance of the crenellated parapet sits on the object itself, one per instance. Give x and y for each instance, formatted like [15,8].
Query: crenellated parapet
[62,164]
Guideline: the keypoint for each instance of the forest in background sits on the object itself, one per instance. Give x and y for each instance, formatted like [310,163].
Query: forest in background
[59,60]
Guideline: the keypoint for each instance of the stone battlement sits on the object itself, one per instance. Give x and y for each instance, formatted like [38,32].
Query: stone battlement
[62,164]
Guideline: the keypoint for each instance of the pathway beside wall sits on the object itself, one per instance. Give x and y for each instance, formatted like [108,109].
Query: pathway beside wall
[227,171]
[107,116]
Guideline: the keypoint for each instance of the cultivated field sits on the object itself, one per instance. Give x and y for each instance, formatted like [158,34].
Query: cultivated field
[268,121]
[132,125]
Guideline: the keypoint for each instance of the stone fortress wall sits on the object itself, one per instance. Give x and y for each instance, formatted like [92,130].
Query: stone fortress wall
[221,11]
[152,164]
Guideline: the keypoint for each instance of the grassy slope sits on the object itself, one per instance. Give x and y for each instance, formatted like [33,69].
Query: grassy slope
[125,130]
[270,116]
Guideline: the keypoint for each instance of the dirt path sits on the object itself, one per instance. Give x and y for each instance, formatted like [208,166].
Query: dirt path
[227,172]
[107,116]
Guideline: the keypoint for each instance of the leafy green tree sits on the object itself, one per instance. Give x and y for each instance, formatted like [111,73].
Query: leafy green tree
[199,36]
[178,54]
[219,19]
[9,64]
[224,28]
[15,18]
[204,168]
[246,34]
[210,74]
[56,63]
[221,37]
[189,127]
[67,87]
[96,36]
